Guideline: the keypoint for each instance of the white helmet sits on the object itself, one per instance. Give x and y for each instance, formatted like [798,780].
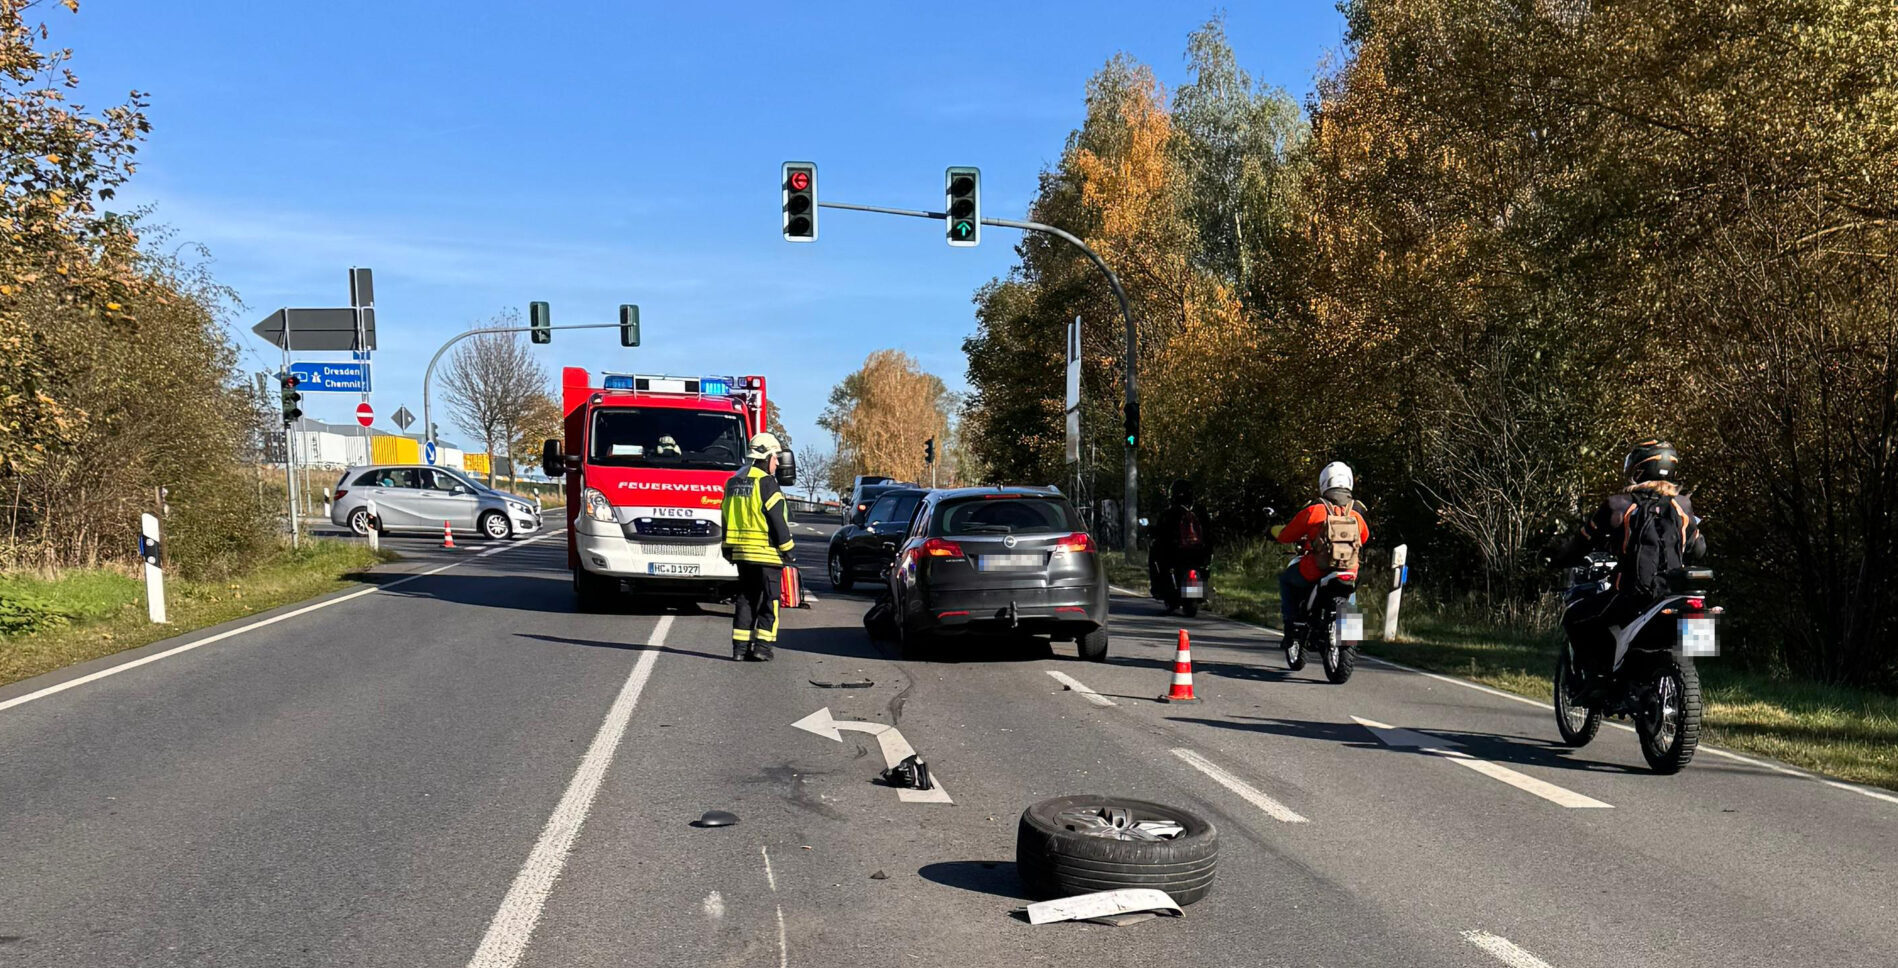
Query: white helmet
[1336,474]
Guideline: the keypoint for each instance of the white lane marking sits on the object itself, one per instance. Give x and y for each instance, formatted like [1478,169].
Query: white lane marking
[1438,746]
[1504,950]
[895,749]
[1624,727]
[713,905]
[1080,687]
[240,630]
[784,950]
[513,924]
[769,877]
[1247,792]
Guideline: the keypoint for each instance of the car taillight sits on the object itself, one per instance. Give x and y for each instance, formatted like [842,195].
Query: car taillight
[339,495]
[938,548]
[1696,604]
[1076,542]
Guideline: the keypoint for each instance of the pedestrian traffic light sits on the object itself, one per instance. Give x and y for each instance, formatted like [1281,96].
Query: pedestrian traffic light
[292,400]
[628,325]
[963,204]
[800,201]
[1133,423]
[541,319]
[929,451]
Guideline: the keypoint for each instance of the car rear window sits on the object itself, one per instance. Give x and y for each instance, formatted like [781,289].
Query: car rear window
[1008,515]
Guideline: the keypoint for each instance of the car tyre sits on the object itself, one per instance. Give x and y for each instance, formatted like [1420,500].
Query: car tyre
[592,593]
[1059,857]
[1093,645]
[494,526]
[359,522]
[839,573]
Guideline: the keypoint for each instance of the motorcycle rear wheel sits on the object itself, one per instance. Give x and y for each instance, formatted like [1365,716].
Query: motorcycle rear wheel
[1669,720]
[1340,658]
[1189,608]
[1578,723]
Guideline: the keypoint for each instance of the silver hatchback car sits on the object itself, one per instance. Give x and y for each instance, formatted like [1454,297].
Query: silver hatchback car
[416,497]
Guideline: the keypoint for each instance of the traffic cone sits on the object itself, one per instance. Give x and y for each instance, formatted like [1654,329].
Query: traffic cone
[448,540]
[1182,690]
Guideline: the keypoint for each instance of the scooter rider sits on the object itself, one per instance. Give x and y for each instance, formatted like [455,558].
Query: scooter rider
[1309,524]
[1180,539]
[1650,525]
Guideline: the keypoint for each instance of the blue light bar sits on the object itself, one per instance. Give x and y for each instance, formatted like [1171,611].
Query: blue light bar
[714,386]
[618,381]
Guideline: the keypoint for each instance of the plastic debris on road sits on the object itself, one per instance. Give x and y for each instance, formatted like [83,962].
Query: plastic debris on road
[716,818]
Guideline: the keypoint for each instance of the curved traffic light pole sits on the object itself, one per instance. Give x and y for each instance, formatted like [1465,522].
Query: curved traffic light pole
[428,420]
[1130,514]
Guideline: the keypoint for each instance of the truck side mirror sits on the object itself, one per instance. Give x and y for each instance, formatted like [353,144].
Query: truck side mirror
[787,468]
[552,462]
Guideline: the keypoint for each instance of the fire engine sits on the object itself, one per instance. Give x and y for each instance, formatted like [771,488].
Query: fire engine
[646,458]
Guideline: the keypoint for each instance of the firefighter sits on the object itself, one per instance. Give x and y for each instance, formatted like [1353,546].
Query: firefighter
[757,524]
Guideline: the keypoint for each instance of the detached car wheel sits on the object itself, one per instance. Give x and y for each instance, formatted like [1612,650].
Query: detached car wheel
[1080,845]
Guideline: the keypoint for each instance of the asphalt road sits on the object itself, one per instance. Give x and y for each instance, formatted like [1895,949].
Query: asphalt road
[456,769]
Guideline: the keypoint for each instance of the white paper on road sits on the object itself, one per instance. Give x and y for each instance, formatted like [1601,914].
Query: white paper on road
[1104,904]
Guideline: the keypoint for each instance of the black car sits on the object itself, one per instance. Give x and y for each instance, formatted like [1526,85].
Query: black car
[996,559]
[867,542]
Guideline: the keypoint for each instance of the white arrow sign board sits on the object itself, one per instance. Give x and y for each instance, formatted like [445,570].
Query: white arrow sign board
[895,748]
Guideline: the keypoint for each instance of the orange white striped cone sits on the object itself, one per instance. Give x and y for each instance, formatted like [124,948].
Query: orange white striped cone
[448,537]
[1182,690]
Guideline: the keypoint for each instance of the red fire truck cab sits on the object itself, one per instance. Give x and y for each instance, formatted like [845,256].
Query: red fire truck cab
[646,459]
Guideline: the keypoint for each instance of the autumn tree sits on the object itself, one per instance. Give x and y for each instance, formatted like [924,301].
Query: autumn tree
[492,383]
[881,414]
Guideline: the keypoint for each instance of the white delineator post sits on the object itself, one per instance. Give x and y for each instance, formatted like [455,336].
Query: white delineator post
[375,528]
[148,549]
[1396,597]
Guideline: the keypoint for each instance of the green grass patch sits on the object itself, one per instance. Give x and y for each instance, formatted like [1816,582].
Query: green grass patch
[1851,734]
[48,622]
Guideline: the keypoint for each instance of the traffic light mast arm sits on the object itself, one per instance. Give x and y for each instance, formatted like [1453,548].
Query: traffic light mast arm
[1130,515]
[428,421]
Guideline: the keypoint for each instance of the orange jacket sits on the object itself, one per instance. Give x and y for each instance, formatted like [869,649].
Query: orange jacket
[1307,523]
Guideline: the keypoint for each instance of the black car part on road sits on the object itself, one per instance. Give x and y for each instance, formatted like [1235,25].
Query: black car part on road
[1084,844]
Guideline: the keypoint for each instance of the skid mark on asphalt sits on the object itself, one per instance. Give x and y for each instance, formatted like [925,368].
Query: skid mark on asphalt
[513,925]
[1437,746]
[1504,950]
[253,626]
[1079,687]
[1246,791]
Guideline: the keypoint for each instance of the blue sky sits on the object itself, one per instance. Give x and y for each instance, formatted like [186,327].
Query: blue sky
[479,154]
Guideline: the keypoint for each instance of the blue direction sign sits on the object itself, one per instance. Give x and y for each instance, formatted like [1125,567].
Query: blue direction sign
[428,452]
[332,377]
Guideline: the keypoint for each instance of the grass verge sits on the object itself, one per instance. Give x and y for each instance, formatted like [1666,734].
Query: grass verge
[81,615]
[1851,734]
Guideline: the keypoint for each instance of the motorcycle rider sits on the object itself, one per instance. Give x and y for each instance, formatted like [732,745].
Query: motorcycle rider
[1180,538]
[1648,516]
[1296,581]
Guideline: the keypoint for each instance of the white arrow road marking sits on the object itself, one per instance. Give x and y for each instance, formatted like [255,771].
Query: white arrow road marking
[1273,808]
[1080,687]
[1504,950]
[895,748]
[1437,746]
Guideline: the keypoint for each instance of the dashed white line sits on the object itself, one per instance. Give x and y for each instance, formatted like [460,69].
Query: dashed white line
[1080,687]
[1437,746]
[513,925]
[1504,950]
[1246,791]
[253,626]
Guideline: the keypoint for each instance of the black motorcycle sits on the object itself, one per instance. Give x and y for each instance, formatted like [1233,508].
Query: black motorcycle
[1331,627]
[1182,587]
[1652,680]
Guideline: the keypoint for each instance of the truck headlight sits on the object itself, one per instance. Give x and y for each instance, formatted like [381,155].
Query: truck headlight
[597,506]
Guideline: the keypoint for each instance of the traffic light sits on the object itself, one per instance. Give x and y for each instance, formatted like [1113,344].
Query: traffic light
[929,451]
[962,201]
[800,201]
[1133,424]
[542,320]
[628,325]
[292,400]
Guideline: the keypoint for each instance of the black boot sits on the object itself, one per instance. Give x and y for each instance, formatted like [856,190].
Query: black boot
[738,651]
[762,653]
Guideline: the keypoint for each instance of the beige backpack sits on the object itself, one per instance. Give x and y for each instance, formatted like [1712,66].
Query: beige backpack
[1336,545]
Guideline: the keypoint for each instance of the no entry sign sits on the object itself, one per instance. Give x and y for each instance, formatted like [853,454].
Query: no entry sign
[364,415]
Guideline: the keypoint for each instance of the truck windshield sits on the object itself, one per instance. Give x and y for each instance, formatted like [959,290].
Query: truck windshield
[664,437]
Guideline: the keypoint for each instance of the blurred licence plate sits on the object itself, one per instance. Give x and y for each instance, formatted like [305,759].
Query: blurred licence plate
[1697,637]
[667,568]
[992,562]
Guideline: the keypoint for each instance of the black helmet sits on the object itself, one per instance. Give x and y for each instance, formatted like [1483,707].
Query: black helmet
[1182,492]
[1651,460]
